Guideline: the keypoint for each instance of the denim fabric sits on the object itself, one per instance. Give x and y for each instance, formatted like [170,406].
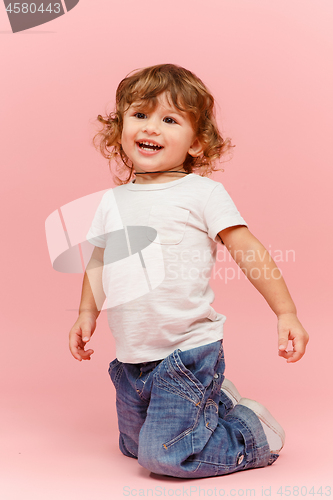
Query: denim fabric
[173,416]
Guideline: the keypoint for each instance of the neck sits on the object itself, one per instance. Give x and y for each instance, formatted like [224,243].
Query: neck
[153,176]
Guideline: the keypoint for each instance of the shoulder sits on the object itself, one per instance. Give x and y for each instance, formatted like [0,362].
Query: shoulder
[208,188]
[106,199]
[109,194]
[205,181]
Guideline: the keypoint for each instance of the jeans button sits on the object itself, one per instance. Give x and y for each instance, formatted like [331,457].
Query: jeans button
[240,459]
[216,375]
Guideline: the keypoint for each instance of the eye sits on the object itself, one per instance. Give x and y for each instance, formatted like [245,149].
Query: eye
[172,120]
[139,115]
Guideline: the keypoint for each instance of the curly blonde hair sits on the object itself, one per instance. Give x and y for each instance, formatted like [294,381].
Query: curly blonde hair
[188,94]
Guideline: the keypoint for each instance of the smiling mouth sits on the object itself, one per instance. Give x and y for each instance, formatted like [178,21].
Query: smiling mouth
[149,147]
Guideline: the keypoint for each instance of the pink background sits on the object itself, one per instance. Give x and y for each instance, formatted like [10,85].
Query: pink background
[269,65]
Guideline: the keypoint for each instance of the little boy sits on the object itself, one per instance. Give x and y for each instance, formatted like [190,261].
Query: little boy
[155,241]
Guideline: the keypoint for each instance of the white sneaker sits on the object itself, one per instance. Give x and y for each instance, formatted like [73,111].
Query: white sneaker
[273,430]
[230,390]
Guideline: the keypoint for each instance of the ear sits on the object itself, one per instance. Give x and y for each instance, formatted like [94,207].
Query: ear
[196,148]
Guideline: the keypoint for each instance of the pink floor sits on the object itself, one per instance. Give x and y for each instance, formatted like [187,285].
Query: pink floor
[69,451]
[59,432]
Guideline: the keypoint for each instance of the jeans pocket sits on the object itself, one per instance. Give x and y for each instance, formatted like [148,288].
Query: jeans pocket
[211,415]
[175,378]
[115,371]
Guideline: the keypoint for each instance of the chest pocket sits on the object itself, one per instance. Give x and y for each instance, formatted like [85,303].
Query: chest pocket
[169,222]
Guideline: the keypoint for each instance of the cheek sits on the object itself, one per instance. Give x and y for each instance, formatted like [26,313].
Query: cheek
[126,141]
[124,137]
[128,133]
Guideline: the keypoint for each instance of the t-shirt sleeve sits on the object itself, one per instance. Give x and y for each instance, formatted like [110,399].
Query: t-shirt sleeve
[220,212]
[96,234]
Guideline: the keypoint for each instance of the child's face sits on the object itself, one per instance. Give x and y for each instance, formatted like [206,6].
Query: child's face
[166,127]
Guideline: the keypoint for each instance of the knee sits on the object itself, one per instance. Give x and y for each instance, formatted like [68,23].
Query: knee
[150,458]
[167,463]
[155,458]
[128,447]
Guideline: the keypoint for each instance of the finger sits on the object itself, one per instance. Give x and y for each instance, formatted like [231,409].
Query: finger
[298,351]
[296,356]
[86,334]
[283,340]
[282,351]
[291,356]
[73,347]
[89,352]
[75,353]
[78,347]
[88,358]
[285,354]
[75,341]
[85,354]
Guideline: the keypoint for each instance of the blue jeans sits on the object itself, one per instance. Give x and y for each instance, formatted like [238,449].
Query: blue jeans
[173,416]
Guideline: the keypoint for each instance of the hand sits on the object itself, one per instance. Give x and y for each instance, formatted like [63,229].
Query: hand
[80,334]
[289,328]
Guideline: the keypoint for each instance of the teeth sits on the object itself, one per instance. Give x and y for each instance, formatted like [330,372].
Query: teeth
[149,144]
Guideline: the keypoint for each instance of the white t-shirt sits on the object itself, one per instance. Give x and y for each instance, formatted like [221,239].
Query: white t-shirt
[160,245]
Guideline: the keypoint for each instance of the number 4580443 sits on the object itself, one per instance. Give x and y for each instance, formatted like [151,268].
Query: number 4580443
[31,8]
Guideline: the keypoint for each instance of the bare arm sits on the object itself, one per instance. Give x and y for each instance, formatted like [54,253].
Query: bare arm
[93,296]
[259,267]
[92,299]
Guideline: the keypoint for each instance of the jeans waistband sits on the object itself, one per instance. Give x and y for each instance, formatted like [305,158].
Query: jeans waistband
[147,366]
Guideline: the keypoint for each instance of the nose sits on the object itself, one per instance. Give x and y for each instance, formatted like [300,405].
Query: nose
[151,125]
